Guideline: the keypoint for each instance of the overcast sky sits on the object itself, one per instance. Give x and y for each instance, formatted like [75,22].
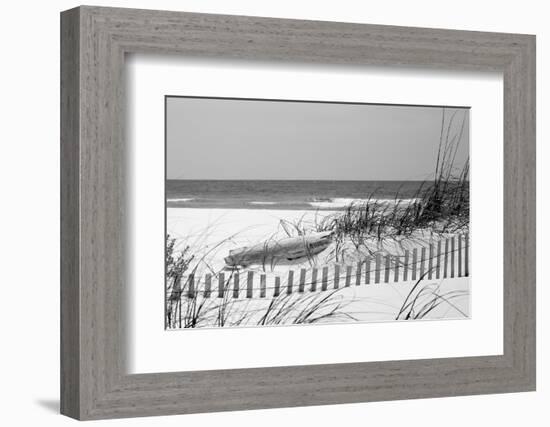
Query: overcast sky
[240,139]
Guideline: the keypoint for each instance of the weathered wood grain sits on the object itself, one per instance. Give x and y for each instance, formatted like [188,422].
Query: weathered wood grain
[377,268]
[71,391]
[263,285]
[367,270]
[438,261]
[324,279]
[290,282]
[406,265]
[336,276]
[302,284]
[249,284]
[348,276]
[414,263]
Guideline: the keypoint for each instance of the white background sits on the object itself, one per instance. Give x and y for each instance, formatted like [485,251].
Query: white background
[151,78]
[29,225]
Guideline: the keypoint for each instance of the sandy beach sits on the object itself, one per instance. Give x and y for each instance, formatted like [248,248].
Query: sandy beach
[211,233]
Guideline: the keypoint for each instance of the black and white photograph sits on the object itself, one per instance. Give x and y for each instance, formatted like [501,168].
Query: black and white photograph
[275,213]
[285,212]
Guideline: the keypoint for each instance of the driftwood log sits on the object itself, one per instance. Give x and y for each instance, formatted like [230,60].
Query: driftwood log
[275,251]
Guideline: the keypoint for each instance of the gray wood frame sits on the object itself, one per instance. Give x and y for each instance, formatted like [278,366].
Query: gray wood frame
[94,383]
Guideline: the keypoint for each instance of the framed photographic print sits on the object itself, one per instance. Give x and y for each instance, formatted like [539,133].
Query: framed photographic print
[301,212]
[323,212]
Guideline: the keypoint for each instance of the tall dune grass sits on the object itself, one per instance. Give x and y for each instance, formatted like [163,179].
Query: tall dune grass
[440,205]
[425,297]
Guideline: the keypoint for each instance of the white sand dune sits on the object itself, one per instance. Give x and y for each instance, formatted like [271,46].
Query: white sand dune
[211,233]
[365,303]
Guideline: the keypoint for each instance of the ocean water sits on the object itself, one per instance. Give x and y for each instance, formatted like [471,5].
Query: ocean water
[293,195]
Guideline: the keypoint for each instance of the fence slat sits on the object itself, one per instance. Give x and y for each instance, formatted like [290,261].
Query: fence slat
[236,285]
[324,279]
[207,285]
[466,254]
[221,285]
[262,286]
[446,259]
[430,261]
[348,275]
[414,264]
[406,266]
[277,289]
[452,256]
[459,255]
[377,267]
[387,269]
[313,280]
[302,284]
[422,261]
[358,274]
[290,282]
[176,290]
[438,260]
[249,284]
[434,256]
[191,286]
[179,304]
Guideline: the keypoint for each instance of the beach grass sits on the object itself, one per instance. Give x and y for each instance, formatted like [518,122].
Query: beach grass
[425,297]
[199,310]
[440,206]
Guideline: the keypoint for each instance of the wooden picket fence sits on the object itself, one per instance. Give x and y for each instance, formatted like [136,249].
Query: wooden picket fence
[448,258]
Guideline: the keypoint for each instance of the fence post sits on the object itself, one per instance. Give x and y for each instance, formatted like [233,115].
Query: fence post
[191,286]
[221,285]
[438,260]
[336,276]
[459,255]
[414,264]
[277,289]
[466,254]
[387,269]
[396,269]
[235,285]
[290,282]
[452,256]
[313,279]
[262,286]
[358,274]
[367,270]
[324,279]
[430,261]
[348,275]
[249,284]
[179,306]
[446,259]
[377,267]
[406,266]
[302,284]
[422,261]
[207,285]
[176,289]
